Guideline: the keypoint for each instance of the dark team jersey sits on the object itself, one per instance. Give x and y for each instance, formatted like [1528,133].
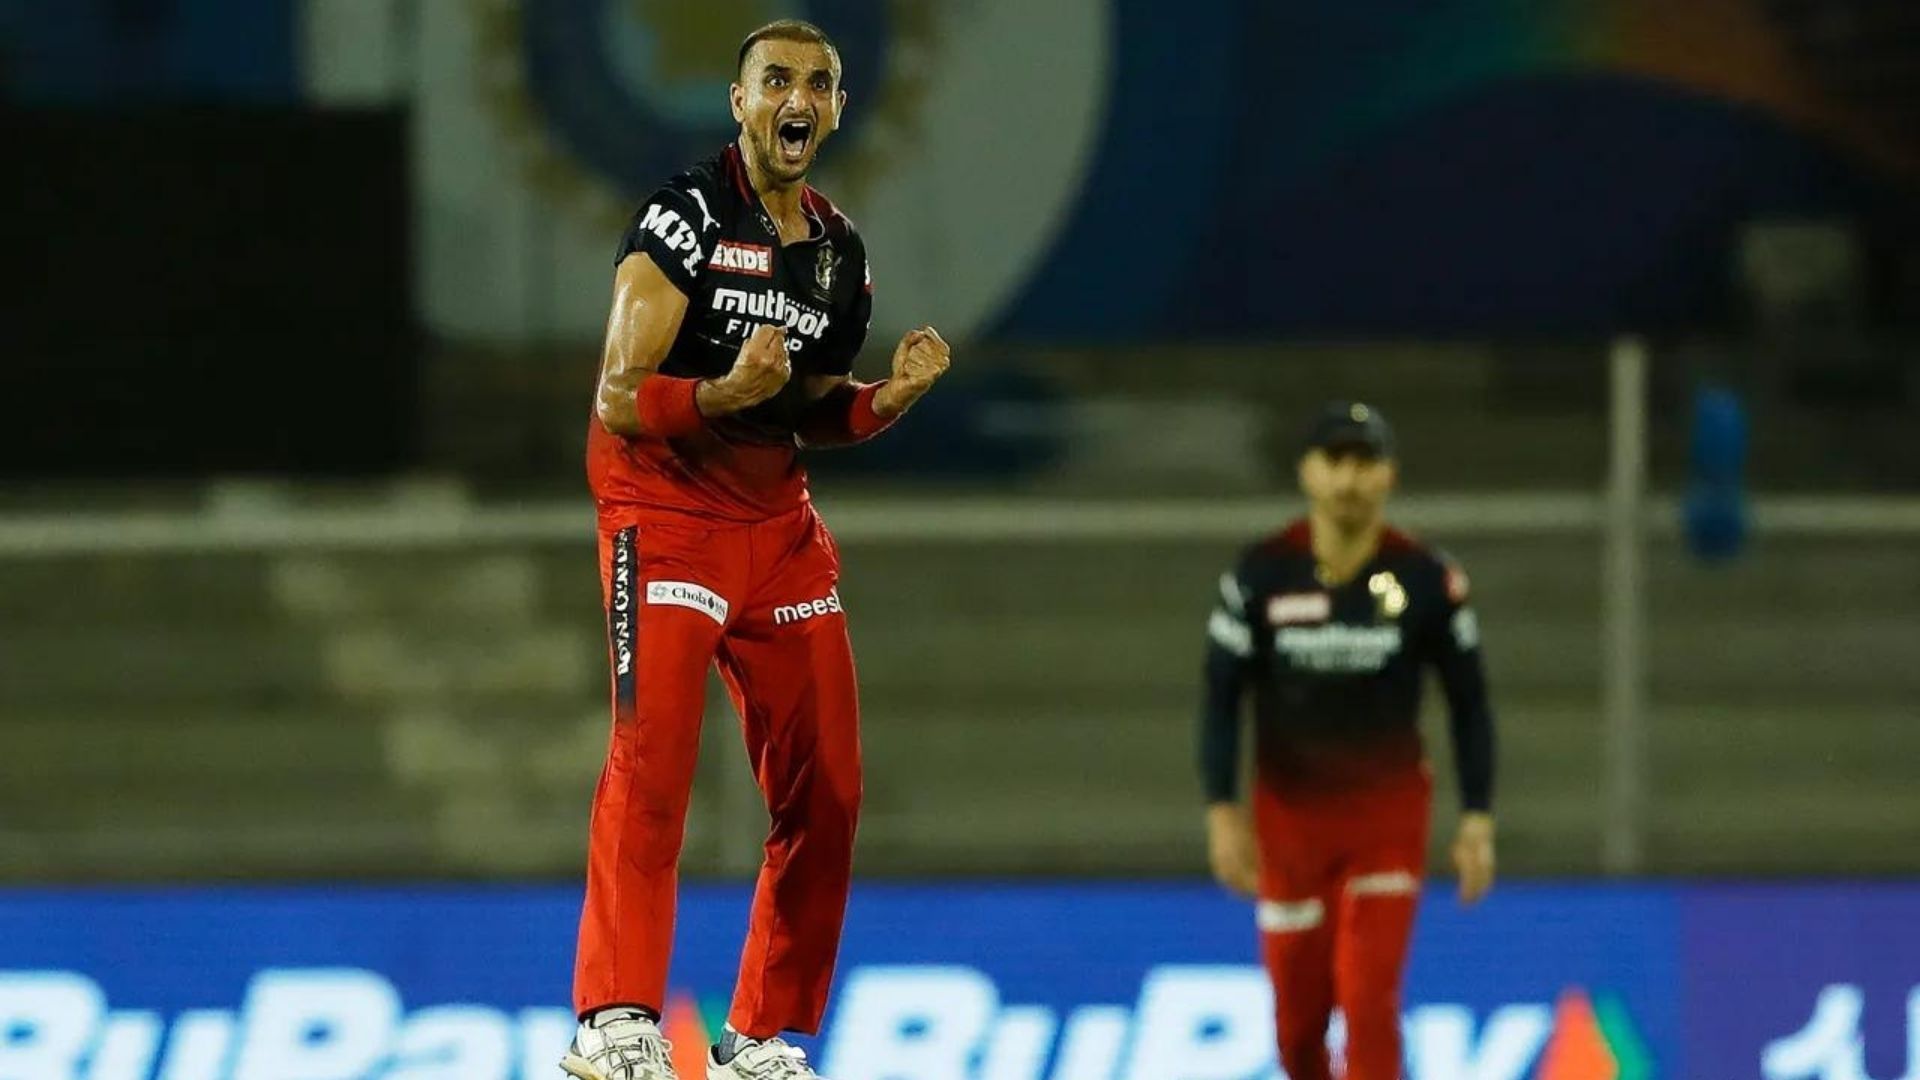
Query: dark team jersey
[708,232]
[1335,672]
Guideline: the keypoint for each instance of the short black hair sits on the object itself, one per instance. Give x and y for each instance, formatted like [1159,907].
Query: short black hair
[787,30]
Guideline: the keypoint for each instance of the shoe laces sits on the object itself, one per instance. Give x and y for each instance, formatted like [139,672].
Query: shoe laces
[776,1059]
[636,1049]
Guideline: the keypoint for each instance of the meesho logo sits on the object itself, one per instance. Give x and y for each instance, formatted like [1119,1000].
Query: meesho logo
[1190,1023]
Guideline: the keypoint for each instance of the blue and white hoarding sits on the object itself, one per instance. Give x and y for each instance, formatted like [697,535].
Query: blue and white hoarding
[962,982]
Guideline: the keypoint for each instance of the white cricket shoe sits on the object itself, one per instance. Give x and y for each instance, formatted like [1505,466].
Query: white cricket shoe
[625,1047]
[769,1060]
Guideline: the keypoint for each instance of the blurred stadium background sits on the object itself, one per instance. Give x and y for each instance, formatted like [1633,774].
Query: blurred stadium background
[295,546]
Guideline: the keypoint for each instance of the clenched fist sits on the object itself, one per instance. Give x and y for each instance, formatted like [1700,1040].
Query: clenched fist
[918,362]
[759,370]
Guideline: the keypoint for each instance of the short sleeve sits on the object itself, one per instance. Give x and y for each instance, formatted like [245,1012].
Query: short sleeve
[675,229]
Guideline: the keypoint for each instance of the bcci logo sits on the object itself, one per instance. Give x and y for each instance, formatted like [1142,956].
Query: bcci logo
[604,99]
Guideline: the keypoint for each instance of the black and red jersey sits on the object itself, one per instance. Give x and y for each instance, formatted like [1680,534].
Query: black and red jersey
[708,232]
[1335,671]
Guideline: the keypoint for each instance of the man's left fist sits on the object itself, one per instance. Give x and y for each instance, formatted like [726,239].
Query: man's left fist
[918,362]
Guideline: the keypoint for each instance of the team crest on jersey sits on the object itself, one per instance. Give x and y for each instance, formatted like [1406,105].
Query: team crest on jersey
[1389,596]
[737,258]
[824,269]
[1289,609]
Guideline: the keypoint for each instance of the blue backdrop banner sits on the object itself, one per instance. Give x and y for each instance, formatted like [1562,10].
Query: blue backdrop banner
[960,982]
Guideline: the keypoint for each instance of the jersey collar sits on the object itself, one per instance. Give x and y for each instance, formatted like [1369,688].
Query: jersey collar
[737,172]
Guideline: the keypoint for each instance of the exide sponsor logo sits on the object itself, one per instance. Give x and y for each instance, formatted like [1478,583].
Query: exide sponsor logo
[755,259]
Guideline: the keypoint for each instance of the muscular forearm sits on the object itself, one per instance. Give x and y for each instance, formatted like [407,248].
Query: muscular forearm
[617,403]
[890,399]
[642,402]
[847,414]
[713,399]
[645,402]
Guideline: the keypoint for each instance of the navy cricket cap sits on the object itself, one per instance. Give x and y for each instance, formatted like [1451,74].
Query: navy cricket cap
[1353,425]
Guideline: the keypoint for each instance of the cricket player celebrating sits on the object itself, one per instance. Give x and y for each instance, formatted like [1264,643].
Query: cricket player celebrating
[740,299]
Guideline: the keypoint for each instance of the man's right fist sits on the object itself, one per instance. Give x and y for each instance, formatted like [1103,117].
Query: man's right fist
[760,369]
[1231,852]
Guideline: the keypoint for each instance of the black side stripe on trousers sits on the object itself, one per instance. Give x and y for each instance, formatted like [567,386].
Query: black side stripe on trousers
[622,624]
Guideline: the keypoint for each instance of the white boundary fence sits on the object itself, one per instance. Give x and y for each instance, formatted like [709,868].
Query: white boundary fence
[1614,520]
[1621,517]
[895,518]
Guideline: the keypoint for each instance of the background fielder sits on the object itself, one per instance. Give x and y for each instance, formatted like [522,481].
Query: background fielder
[1327,626]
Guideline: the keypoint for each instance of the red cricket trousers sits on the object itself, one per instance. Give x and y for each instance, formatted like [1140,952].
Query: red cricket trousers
[1339,885]
[760,601]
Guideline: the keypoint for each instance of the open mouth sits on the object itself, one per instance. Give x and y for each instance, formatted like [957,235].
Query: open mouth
[794,137]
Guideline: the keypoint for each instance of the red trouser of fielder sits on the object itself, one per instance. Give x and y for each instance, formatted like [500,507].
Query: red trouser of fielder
[1339,886]
[760,601]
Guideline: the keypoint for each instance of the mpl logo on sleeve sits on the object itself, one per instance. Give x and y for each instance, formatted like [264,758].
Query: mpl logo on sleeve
[686,594]
[674,232]
[1293,608]
[737,258]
